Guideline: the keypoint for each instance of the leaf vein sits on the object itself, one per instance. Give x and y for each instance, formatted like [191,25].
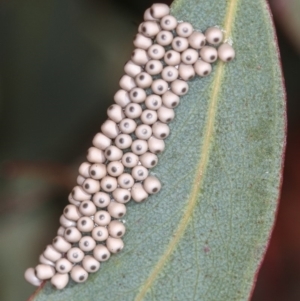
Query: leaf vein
[205,152]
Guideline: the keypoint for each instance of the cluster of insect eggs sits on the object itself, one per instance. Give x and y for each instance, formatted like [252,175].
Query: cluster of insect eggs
[168,53]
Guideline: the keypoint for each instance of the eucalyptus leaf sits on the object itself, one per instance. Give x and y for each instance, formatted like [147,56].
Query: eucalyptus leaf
[203,236]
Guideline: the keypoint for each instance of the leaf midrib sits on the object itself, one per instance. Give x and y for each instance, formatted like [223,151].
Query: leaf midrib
[205,152]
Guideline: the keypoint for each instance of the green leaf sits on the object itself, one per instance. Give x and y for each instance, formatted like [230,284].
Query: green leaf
[204,235]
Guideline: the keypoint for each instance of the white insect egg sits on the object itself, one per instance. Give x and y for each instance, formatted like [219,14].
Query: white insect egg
[139,57]
[156,52]
[143,80]
[140,27]
[156,146]
[116,229]
[169,73]
[154,67]
[51,253]
[85,224]
[214,35]
[71,212]
[184,29]
[80,179]
[186,72]
[87,244]
[113,153]
[95,155]
[75,255]
[208,54]
[61,231]
[139,147]
[149,160]
[98,171]
[152,185]
[160,130]
[148,16]
[179,87]
[91,185]
[189,56]
[44,260]
[90,264]
[125,180]
[148,117]
[121,195]
[116,210]
[159,86]
[180,44]
[226,52]
[197,40]
[202,68]
[108,184]
[115,113]
[60,244]
[127,125]
[63,266]
[30,277]
[149,29]
[101,253]
[142,42]
[73,201]
[170,100]
[110,129]
[168,22]
[102,218]
[79,194]
[130,159]
[133,110]
[87,208]
[153,102]
[72,234]
[100,233]
[143,131]
[131,69]
[84,169]
[122,97]
[138,193]
[60,281]
[114,245]
[139,173]
[123,141]
[137,95]
[101,199]
[79,274]
[172,58]
[66,222]
[164,38]
[115,168]
[159,10]
[44,271]
[127,82]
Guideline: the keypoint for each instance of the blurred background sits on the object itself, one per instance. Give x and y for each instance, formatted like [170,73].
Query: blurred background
[60,62]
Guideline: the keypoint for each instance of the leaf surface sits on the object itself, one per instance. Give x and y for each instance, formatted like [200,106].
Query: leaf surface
[204,235]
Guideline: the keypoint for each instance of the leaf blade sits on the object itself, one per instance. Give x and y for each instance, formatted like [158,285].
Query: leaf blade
[225,195]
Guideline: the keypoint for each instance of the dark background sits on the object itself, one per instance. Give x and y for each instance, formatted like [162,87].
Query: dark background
[60,62]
